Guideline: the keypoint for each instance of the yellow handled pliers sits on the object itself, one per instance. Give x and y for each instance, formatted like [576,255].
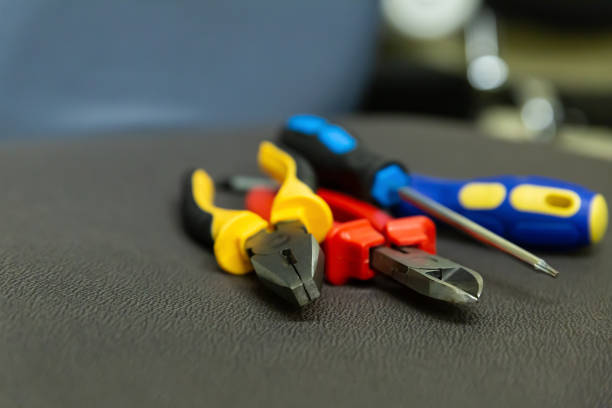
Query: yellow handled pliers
[284,252]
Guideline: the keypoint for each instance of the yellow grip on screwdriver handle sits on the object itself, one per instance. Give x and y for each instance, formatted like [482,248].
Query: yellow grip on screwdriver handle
[295,200]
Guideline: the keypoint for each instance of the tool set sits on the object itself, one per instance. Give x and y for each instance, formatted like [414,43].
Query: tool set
[278,234]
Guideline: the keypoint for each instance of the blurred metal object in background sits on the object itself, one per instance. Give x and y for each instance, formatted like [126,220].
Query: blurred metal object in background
[540,108]
[486,70]
[428,19]
[523,70]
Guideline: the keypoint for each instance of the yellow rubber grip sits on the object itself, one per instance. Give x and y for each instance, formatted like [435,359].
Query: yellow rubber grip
[482,195]
[294,200]
[229,228]
[598,218]
[560,202]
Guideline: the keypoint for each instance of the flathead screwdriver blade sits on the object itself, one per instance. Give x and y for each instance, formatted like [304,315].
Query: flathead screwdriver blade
[476,231]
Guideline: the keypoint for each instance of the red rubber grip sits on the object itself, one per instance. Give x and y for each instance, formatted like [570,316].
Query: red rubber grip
[347,251]
[346,208]
[259,200]
[416,231]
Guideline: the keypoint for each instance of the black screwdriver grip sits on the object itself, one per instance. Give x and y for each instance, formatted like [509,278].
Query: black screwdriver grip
[352,172]
[196,221]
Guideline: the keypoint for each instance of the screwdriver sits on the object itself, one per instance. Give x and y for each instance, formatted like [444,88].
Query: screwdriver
[341,163]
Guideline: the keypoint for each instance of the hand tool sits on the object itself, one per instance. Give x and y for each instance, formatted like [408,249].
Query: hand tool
[521,208]
[370,240]
[285,256]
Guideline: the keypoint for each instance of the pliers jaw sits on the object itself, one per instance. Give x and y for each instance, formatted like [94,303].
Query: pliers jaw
[288,261]
[428,274]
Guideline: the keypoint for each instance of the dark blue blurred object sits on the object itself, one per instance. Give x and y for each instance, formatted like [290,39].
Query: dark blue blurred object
[74,67]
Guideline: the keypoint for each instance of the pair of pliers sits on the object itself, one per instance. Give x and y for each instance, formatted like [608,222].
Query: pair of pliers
[284,251]
[369,240]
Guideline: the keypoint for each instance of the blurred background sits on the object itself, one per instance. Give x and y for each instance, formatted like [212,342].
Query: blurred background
[522,70]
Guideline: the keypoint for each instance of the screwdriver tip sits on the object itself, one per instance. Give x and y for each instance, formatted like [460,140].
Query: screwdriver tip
[546,268]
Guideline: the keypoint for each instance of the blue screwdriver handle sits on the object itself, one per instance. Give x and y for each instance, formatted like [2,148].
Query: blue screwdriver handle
[528,210]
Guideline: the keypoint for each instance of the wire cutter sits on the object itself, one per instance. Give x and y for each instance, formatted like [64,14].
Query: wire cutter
[284,252]
[370,240]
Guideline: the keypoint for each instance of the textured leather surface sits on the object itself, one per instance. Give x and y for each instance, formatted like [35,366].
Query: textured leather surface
[104,301]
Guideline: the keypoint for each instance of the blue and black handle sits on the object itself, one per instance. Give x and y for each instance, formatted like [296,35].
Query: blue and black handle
[528,210]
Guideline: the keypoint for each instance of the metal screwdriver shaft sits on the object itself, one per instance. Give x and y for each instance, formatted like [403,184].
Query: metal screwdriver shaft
[478,232]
